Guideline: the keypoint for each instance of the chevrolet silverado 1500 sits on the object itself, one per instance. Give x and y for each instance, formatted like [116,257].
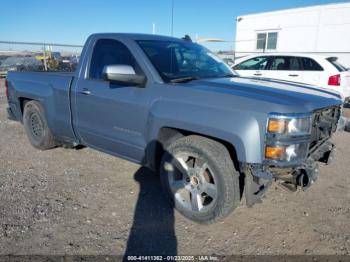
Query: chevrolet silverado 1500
[175,107]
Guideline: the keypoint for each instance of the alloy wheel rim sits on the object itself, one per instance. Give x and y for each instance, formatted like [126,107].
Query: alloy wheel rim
[192,182]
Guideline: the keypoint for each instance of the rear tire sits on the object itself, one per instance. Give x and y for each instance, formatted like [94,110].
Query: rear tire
[36,127]
[199,177]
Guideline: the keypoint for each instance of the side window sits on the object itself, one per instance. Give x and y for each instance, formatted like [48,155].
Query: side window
[294,64]
[278,63]
[110,52]
[285,63]
[256,63]
[310,64]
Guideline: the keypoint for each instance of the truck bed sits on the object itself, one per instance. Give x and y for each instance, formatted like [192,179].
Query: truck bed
[53,89]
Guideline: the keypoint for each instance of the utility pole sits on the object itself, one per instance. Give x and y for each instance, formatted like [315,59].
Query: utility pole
[172,17]
[44,53]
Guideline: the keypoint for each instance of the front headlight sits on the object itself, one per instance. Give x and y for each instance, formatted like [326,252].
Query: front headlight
[287,137]
[289,124]
[289,153]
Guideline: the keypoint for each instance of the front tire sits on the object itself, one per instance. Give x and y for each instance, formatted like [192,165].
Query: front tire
[36,127]
[199,178]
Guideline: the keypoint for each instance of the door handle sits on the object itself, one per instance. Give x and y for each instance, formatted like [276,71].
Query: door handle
[293,75]
[85,91]
[258,74]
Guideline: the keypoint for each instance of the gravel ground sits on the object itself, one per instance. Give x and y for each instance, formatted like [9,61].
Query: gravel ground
[68,201]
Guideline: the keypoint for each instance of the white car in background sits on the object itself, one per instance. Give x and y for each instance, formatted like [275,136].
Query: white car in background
[321,71]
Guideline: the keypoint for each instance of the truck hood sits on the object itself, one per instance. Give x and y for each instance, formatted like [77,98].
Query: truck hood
[272,91]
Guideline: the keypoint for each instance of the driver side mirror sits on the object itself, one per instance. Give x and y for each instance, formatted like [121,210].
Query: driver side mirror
[123,74]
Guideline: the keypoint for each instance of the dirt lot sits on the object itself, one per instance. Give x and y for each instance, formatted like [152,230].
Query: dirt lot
[67,201]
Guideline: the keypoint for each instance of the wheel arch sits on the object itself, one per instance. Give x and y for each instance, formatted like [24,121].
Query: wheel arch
[23,101]
[168,134]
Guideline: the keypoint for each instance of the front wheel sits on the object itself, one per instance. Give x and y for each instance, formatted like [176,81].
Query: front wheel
[199,177]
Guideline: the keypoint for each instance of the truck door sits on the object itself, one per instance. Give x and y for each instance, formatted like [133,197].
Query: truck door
[108,116]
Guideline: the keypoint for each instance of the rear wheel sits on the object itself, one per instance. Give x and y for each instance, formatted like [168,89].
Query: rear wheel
[36,127]
[199,177]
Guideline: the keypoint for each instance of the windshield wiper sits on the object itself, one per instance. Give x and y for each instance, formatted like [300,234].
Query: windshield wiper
[184,79]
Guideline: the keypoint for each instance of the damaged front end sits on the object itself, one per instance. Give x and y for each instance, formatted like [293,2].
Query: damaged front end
[294,146]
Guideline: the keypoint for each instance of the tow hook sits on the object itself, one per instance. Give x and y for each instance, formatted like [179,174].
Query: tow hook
[307,176]
[303,181]
[303,177]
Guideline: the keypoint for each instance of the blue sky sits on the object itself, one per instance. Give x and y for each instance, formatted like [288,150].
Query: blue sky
[71,21]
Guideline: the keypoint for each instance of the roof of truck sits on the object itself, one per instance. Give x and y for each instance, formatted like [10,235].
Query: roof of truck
[136,36]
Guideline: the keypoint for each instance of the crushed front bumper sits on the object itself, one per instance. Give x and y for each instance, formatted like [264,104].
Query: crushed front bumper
[258,178]
[300,173]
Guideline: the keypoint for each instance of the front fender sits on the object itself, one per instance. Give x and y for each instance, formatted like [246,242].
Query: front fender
[239,128]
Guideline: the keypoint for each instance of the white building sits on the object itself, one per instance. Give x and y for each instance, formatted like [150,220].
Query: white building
[323,29]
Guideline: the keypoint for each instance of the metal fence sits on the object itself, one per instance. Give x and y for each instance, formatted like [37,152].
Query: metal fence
[32,56]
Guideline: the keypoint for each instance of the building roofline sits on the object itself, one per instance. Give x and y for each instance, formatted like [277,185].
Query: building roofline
[294,9]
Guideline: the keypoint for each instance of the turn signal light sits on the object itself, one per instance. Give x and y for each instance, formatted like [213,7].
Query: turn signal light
[274,152]
[277,126]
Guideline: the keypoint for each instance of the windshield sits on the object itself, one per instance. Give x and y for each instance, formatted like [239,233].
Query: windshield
[176,60]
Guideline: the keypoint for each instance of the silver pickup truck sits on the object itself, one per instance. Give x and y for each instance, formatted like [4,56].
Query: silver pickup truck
[175,107]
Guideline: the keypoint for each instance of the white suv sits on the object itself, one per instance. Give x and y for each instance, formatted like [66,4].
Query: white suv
[321,71]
